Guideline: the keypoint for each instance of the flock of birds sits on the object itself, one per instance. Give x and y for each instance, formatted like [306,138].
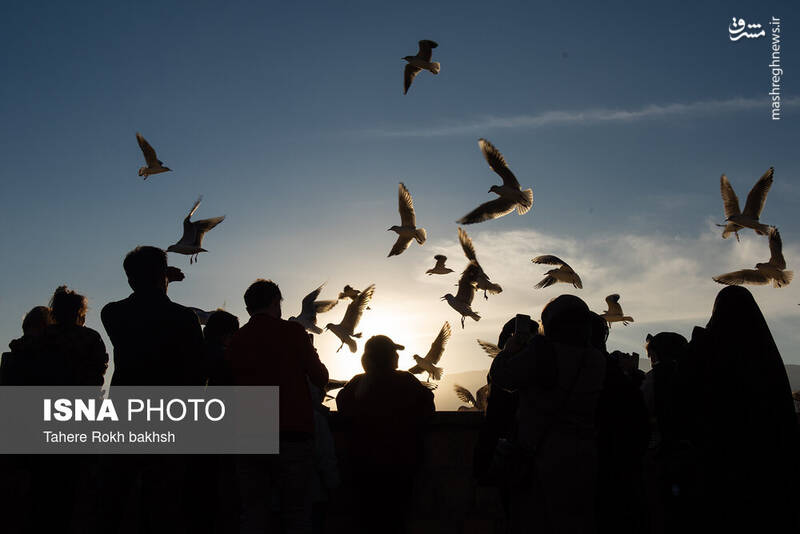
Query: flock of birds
[510,197]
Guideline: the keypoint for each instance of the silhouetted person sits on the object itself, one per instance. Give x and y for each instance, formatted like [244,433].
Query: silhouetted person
[12,365]
[387,409]
[326,468]
[622,435]
[217,334]
[559,377]
[268,351]
[744,427]
[156,343]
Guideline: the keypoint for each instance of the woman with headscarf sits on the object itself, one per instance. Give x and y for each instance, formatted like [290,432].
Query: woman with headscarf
[742,419]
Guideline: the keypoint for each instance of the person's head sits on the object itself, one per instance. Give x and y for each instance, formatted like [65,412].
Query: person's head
[599,332]
[220,327]
[665,347]
[566,319]
[380,355]
[510,327]
[68,307]
[146,269]
[734,307]
[36,321]
[263,296]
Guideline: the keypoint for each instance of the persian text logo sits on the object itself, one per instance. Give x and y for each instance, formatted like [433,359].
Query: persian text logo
[736,30]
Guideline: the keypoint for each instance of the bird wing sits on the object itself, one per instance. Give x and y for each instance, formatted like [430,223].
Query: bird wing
[307,308]
[466,245]
[498,163]
[776,249]
[406,206]
[574,278]
[430,385]
[204,225]
[148,151]
[408,76]
[426,47]
[437,347]
[466,284]
[482,397]
[758,195]
[489,210]
[729,198]
[464,395]
[549,259]
[416,370]
[356,308]
[440,260]
[745,276]
[547,281]
[321,306]
[491,349]
[189,229]
[613,305]
[400,245]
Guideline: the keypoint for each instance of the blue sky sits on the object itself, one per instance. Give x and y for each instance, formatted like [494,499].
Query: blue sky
[291,121]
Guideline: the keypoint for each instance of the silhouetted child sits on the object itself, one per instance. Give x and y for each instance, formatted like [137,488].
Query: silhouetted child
[12,365]
[217,334]
[388,409]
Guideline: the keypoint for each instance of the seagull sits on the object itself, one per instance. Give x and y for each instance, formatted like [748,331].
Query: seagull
[511,195]
[464,395]
[310,308]
[462,301]
[191,242]
[482,282]
[735,220]
[428,363]
[421,61]
[564,273]
[490,349]
[408,229]
[349,292]
[154,165]
[614,312]
[345,329]
[773,270]
[439,268]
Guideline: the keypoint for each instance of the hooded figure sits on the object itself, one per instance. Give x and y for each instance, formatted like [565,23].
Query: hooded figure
[745,428]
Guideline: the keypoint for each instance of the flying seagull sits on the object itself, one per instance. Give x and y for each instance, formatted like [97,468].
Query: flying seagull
[439,268]
[490,349]
[408,221]
[464,395]
[563,273]
[462,301]
[345,330]
[511,195]
[349,292]
[310,308]
[421,61]
[614,312]
[154,165]
[773,270]
[428,363]
[191,242]
[735,220]
[482,282]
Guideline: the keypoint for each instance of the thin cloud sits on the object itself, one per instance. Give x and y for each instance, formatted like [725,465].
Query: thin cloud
[589,116]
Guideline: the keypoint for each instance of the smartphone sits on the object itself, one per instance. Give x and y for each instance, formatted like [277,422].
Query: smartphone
[522,324]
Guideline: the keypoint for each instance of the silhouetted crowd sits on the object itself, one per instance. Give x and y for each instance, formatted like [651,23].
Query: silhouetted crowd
[574,438]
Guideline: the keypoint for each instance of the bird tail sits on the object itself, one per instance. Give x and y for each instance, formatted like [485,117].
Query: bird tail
[314,329]
[628,319]
[420,235]
[437,373]
[525,206]
[493,288]
[436,67]
[357,335]
[351,344]
[785,279]
[475,316]
[547,281]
